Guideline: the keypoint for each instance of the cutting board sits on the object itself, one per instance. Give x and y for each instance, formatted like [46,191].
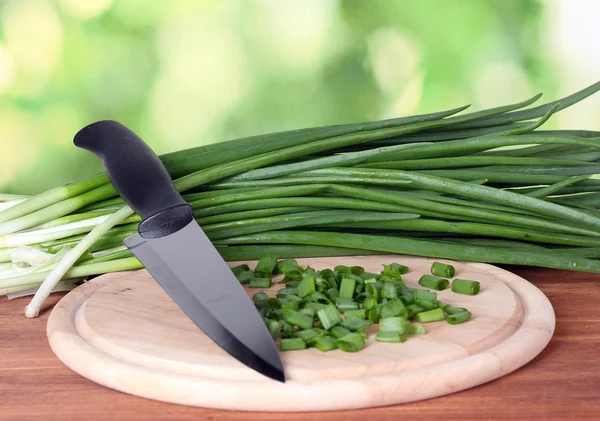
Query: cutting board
[123,331]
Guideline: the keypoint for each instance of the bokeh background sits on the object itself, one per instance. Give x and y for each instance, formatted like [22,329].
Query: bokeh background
[183,73]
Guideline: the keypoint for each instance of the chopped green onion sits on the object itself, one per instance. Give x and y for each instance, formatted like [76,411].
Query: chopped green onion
[431,316]
[373,288]
[325,343]
[442,270]
[340,331]
[306,287]
[389,290]
[393,308]
[276,303]
[314,306]
[319,297]
[260,283]
[289,267]
[332,293]
[385,336]
[265,266]
[347,287]
[361,314]
[458,318]
[434,282]
[292,297]
[329,317]
[239,269]
[414,309]
[273,325]
[308,272]
[260,299]
[356,323]
[393,324]
[464,286]
[453,310]
[413,329]
[283,292]
[369,303]
[398,268]
[424,295]
[292,344]
[308,311]
[307,334]
[368,276]
[427,305]
[245,276]
[346,304]
[352,342]
[296,318]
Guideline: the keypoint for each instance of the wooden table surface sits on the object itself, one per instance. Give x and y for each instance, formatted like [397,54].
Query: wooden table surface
[562,383]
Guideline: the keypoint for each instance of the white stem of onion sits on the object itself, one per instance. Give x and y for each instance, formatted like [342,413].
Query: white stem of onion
[33,309]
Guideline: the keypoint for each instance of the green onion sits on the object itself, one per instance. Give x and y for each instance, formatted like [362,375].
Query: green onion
[265,265]
[393,308]
[431,316]
[361,314]
[260,299]
[387,336]
[464,286]
[239,269]
[457,318]
[345,304]
[442,270]
[412,329]
[355,323]
[398,268]
[325,343]
[389,290]
[274,326]
[421,294]
[283,292]
[428,305]
[307,335]
[306,287]
[347,288]
[260,283]
[434,282]
[295,318]
[339,331]
[393,324]
[289,267]
[453,310]
[245,276]
[352,342]
[329,317]
[292,344]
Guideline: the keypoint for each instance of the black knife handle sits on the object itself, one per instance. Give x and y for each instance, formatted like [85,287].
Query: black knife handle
[139,177]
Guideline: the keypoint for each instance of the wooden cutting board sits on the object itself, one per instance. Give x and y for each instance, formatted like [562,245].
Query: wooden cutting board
[123,331]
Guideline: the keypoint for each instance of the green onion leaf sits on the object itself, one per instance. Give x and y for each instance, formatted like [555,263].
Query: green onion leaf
[442,270]
[431,316]
[292,344]
[329,317]
[352,342]
[434,282]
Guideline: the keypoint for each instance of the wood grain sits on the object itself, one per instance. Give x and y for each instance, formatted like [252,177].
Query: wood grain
[123,331]
[562,383]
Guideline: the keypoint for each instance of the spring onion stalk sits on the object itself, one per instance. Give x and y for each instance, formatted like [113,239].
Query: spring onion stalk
[491,175]
[33,309]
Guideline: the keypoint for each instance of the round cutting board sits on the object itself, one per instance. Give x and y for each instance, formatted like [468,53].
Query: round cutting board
[123,331]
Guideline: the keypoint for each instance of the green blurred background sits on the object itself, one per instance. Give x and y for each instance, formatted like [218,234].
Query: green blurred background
[183,73]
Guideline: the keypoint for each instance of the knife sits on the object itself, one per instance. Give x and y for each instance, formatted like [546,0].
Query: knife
[177,253]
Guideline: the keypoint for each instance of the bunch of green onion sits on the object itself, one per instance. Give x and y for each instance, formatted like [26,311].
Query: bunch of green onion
[487,186]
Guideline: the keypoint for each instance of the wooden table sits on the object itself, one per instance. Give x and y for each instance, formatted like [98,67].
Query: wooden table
[562,383]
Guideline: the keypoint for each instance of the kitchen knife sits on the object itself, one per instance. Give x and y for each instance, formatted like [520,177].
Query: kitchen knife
[177,253]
